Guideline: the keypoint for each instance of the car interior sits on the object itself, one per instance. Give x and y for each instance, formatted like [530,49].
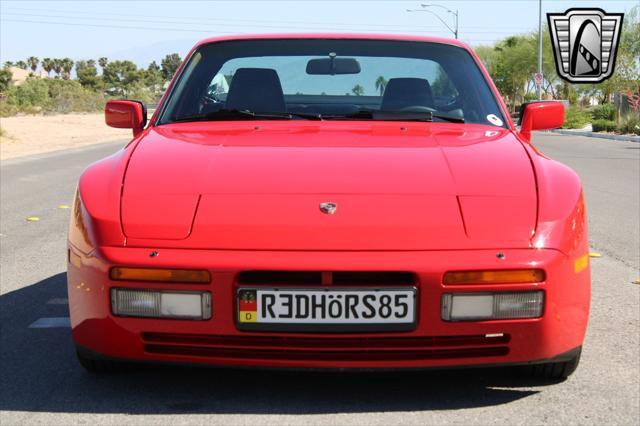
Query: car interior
[260,90]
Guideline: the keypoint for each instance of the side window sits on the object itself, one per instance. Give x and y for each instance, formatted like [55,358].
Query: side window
[218,88]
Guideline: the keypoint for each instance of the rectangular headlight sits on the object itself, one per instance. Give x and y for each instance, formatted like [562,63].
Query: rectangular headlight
[161,304]
[488,306]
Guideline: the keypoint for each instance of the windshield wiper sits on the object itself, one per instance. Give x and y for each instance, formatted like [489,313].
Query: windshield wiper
[221,114]
[447,117]
[395,116]
[236,114]
[367,114]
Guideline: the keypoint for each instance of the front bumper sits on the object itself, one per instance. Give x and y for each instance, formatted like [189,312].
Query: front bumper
[434,342]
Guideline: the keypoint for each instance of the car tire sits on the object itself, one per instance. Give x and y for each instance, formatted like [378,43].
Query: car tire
[100,365]
[554,370]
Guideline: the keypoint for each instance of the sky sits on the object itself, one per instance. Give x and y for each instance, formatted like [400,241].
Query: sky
[147,30]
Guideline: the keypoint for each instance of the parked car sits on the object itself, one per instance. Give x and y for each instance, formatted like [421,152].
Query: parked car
[330,201]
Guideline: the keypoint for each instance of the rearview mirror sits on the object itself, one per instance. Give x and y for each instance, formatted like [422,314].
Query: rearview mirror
[124,114]
[540,116]
[333,66]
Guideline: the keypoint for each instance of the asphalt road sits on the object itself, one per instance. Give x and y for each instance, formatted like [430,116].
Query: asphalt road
[41,382]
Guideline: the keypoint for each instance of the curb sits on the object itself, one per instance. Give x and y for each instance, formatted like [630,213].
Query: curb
[627,138]
[48,154]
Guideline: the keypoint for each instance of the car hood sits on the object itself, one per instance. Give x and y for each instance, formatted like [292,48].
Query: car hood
[396,186]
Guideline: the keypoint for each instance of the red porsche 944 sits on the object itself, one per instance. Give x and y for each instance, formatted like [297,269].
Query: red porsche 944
[330,201]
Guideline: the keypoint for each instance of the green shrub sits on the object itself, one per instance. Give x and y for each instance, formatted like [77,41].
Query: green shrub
[629,124]
[142,94]
[50,96]
[5,80]
[575,118]
[604,112]
[603,125]
[69,96]
[29,97]
[7,110]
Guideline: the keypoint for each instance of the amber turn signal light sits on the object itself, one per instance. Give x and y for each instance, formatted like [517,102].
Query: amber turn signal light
[162,275]
[513,276]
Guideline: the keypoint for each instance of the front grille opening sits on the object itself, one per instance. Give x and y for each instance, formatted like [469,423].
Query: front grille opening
[298,348]
[280,277]
[326,355]
[341,278]
[378,278]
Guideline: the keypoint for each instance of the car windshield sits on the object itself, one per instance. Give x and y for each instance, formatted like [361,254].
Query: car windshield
[331,79]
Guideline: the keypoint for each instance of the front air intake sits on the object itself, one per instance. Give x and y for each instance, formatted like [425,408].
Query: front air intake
[338,278]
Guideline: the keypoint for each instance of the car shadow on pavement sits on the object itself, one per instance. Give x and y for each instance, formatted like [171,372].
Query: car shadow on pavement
[39,372]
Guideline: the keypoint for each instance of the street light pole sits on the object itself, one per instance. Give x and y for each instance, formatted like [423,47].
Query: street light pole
[539,87]
[456,15]
[448,11]
[453,30]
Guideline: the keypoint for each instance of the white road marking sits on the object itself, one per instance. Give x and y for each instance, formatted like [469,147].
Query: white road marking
[52,322]
[58,301]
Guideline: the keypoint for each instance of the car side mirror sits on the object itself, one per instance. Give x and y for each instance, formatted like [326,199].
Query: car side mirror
[124,114]
[540,116]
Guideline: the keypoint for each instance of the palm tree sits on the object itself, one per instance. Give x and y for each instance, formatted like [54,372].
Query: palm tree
[47,65]
[57,66]
[357,90]
[67,66]
[8,64]
[103,62]
[22,65]
[33,63]
[381,84]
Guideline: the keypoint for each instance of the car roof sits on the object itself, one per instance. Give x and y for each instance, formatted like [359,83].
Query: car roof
[356,36]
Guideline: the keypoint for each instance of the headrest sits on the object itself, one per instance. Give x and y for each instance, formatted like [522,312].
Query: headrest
[404,92]
[256,90]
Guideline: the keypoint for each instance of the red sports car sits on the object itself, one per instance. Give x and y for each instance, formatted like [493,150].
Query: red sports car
[330,201]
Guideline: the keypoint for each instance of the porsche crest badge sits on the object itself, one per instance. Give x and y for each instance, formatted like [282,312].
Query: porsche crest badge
[328,208]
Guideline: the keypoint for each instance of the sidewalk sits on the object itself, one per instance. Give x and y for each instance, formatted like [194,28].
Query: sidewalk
[588,133]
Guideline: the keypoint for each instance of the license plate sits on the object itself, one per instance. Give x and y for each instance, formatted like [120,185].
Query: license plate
[316,309]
